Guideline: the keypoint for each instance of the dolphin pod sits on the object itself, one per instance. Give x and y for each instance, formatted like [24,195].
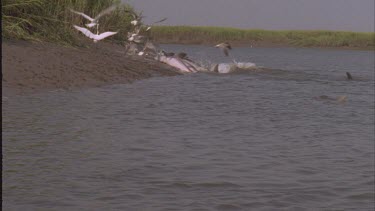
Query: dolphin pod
[183,65]
[186,65]
[231,67]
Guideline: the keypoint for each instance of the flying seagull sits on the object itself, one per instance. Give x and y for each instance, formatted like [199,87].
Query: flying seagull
[137,18]
[225,47]
[95,37]
[95,21]
[159,21]
[137,38]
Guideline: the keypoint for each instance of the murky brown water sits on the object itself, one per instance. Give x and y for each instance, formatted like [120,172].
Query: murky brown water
[247,141]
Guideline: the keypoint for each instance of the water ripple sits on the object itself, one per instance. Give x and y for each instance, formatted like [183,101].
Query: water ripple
[243,141]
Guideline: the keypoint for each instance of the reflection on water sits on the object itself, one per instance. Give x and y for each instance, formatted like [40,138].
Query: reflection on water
[246,141]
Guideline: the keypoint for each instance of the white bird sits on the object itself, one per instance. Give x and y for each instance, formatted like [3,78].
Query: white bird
[137,38]
[225,47]
[95,37]
[134,22]
[95,21]
[92,20]
[159,21]
[141,53]
[137,18]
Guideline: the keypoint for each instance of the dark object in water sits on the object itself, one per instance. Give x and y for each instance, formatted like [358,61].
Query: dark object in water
[340,99]
[182,55]
[216,68]
[349,76]
[168,54]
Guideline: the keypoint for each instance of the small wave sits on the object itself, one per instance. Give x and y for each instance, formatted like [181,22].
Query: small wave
[216,185]
[202,185]
[228,207]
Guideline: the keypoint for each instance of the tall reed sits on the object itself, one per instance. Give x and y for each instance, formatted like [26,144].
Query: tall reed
[211,35]
[52,21]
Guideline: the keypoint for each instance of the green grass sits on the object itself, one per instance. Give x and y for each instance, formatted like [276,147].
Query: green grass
[211,35]
[51,20]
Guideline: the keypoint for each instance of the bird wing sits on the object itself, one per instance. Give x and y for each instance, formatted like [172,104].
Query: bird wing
[139,39]
[85,31]
[104,35]
[150,45]
[220,45]
[134,14]
[106,11]
[83,15]
[90,25]
[140,16]
[228,45]
[161,20]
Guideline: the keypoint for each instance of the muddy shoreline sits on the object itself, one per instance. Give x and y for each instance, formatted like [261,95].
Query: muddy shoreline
[29,67]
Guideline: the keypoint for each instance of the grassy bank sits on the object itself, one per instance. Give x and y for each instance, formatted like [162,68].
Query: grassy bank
[51,20]
[211,35]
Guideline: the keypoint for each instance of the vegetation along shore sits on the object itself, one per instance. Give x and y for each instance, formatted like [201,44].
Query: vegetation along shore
[42,51]
[203,35]
[51,21]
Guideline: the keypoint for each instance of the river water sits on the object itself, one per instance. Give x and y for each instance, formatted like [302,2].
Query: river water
[260,140]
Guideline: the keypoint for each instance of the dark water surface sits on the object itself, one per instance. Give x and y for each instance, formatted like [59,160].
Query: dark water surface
[260,140]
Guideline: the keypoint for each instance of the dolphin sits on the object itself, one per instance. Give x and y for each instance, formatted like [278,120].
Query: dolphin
[244,65]
[231,67]
[180,61]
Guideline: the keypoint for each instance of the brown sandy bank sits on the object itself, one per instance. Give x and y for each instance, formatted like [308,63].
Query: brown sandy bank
[30,67]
